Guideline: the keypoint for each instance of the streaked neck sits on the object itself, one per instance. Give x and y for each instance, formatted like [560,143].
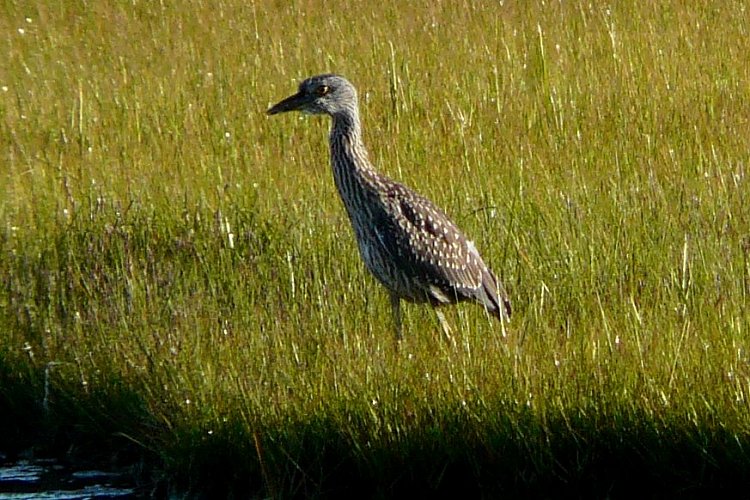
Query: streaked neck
[352,171]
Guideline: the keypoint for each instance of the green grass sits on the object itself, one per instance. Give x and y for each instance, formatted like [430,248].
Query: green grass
[179,286]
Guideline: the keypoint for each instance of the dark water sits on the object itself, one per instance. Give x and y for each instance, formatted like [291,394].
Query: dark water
[48,479]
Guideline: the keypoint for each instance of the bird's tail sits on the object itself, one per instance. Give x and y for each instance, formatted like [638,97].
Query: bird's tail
[496,298]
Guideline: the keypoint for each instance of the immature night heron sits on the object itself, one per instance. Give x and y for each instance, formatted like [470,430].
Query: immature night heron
[407,242]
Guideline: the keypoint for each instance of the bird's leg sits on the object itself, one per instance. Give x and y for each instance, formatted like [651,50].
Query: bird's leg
[396,310]
[447,330]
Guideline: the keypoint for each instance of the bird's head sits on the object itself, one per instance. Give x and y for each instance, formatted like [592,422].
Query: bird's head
[321,94]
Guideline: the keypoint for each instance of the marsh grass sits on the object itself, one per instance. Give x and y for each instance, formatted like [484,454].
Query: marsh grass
[180,286]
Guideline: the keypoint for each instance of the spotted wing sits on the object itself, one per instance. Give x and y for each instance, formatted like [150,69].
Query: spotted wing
[439,255]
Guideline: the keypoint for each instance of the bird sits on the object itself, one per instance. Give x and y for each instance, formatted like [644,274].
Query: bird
[407,242]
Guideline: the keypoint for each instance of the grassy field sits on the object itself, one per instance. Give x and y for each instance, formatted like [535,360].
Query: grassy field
[180,288]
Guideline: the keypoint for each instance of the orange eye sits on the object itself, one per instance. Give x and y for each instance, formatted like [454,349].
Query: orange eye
[322,90]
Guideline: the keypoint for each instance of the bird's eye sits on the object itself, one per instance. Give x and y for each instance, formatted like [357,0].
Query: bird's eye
[322,90]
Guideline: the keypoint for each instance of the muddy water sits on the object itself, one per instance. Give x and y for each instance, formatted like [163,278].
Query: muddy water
[48,480]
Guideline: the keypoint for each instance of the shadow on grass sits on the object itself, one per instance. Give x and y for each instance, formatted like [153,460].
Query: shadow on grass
[80,430]
[514,453]
[316,459]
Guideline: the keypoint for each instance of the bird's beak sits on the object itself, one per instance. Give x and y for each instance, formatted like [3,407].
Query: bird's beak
[291,103]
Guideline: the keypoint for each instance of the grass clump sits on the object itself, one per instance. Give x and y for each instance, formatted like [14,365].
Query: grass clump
[179,285]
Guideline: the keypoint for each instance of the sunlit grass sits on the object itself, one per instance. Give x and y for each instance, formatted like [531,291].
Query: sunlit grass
[179,282]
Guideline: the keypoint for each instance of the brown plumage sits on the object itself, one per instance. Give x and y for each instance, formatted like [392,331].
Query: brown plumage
[406,242]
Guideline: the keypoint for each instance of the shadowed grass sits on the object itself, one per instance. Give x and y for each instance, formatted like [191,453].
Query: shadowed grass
[179,284]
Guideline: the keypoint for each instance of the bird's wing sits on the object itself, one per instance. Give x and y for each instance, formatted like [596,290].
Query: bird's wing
[435,247]
[434,253]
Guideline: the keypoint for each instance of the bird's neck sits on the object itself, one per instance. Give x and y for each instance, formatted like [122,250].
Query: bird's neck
[352,171]
[346,139]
